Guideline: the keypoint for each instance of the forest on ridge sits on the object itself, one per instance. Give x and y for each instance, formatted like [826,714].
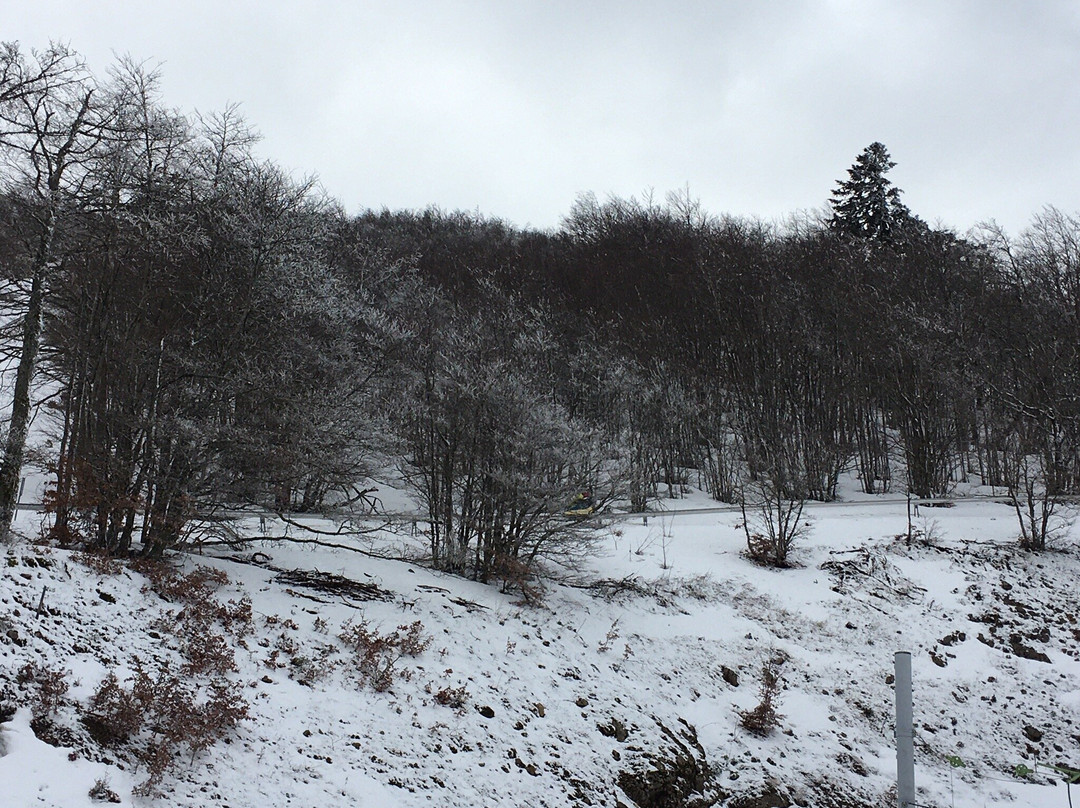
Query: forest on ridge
[203,331]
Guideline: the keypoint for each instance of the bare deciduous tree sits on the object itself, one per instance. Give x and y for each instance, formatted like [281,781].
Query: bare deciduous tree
[50,125]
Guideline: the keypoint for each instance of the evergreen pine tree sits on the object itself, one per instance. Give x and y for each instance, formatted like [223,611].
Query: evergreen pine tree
[867,205]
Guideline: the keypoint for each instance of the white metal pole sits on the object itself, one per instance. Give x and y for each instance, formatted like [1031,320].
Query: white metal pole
[905,737]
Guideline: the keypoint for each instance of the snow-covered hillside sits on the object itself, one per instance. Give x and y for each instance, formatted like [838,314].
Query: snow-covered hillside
[625,679]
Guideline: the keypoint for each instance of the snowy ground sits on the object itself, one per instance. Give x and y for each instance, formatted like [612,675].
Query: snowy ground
[644,656]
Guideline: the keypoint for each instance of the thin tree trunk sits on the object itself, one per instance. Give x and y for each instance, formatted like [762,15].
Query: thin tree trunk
[15,445]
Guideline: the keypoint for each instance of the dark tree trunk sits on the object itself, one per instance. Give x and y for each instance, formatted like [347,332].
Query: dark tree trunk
[15,445]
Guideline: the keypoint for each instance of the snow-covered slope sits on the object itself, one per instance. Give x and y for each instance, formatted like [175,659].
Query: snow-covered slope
[626,678]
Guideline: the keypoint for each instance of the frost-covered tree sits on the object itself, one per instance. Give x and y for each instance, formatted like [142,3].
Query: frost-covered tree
[867,205]
[1032,384]
[50,126]
[493,456]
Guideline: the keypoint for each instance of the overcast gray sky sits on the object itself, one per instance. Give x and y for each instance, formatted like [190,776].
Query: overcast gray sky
[514,108]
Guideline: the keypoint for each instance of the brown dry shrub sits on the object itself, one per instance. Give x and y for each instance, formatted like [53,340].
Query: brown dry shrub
[102,792]
[518,576]
[195,587]
[308,669]
[764,718]
[100,563]
[162,712]
[62,535]
[205,652]
[376,655]
[167,713]
[47,687]
[454,697]
[195,591]
[116,713]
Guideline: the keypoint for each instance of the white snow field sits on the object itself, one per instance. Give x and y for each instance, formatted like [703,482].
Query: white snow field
[623,667]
